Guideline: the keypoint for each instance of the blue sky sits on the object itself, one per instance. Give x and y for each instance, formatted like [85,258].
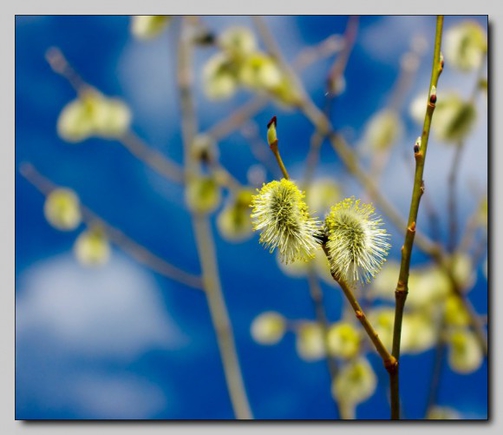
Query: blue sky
[123,342]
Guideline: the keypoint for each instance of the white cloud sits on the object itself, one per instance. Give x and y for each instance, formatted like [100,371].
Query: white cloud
[78,331]
[115,311]
[117,397]
[391,36]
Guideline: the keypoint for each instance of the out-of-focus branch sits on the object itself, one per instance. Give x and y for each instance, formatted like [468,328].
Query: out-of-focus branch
[204,238]
[238,117]
[154,159]
[137,251]
[346,153]
[334,77]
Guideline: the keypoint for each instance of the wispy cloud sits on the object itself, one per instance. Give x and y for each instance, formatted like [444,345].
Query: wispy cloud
[72,323]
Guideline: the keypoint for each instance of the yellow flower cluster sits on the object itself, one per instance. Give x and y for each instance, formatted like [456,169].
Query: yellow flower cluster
[356,242]
[281,215]
[240,63]
[93,114]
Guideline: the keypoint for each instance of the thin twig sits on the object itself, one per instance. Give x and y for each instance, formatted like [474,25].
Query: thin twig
[204,240]
[238,117]
[430,211]
[137,251]
[152,158]
[259,148]
[418,188]
[316,294]
[452,197]
[389,361]
[336,73]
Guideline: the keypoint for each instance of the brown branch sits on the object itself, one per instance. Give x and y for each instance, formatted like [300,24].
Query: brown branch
[137,251]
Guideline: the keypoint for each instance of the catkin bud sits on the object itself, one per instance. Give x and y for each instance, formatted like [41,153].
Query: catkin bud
[357,244]
[282,217]
[147,27]
[62,209]
[268,328]
[92,247]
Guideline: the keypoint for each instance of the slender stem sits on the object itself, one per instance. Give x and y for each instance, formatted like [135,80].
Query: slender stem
[204,241]
[335,74]
[60,65]
[408,68]
[471,227]
[238,117]
[349,158]
[316,294]
[452,203]
[345,152]
[337,70]
[157,161]
[418,188]
[279,160]
[152,158]
[453,225]
[389,360]
[259,148]
[438,363]
[137,251]
[430,211]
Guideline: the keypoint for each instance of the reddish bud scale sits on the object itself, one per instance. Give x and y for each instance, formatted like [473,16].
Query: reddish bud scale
[272,121]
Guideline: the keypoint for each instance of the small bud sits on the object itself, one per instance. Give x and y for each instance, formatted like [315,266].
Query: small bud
[343,340]
[433,95]
[204,149]
[146,27]
[441,61]
[417,145]
[92,248]
[219,77]
[382,130]
[202,194]
[204,38]
[465,355]
[443,413]
[238,41]
[382,319]
[62,209]
[465,45]
[355,382]
[112,119]
[271,131]
[93,114]
[287,93]
[310,343]
[268,328]
[260,72]
[418,333]
[234,222]
[454,118]
[75,122]
[455,312]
